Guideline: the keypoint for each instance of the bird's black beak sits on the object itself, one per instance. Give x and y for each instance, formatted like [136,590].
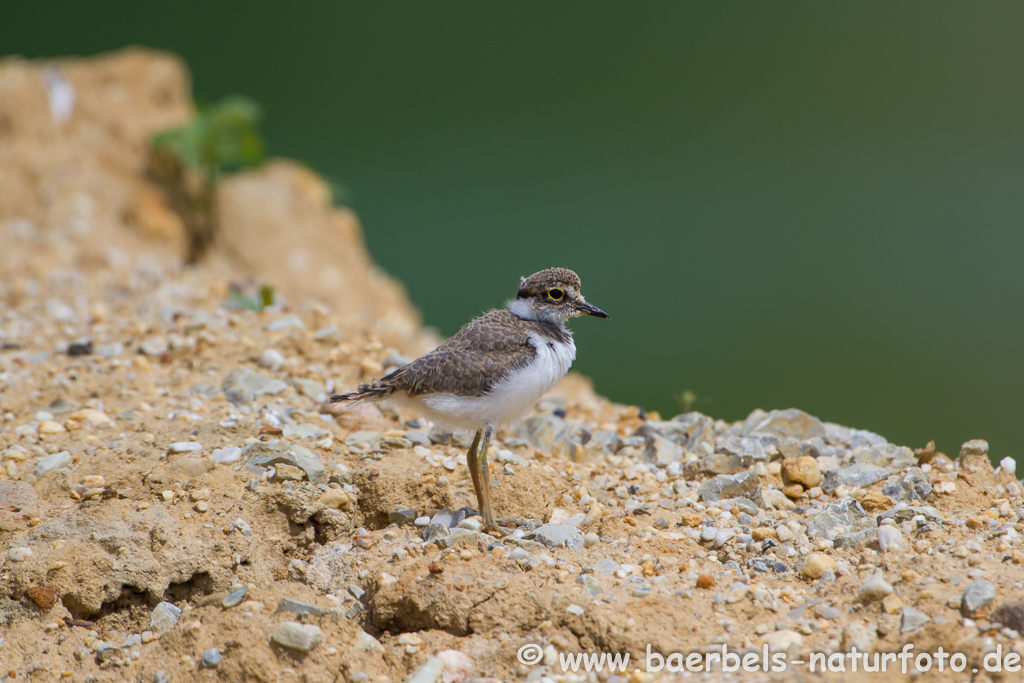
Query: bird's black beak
[590,309]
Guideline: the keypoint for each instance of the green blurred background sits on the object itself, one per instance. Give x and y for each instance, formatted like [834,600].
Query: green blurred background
[811,204]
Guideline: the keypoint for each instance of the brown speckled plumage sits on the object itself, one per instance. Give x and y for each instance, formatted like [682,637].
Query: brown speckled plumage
[479,356]
[538,283]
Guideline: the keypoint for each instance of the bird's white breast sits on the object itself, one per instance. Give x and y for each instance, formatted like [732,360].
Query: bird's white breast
[509,398]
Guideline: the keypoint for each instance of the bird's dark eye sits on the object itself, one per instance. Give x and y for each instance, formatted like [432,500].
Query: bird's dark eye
[556,294]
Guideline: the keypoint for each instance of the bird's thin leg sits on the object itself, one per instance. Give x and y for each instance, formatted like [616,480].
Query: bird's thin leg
[485,483]
[471,461]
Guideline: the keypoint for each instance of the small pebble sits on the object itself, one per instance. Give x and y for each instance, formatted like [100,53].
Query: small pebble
[211,658]
[235,597]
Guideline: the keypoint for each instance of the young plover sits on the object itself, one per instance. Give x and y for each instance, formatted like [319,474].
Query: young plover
[492,370]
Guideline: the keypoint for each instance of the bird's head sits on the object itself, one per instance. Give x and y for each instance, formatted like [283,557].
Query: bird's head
[552,295]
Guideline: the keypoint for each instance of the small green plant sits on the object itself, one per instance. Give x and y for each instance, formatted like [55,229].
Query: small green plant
[689,401]
[189,160]
[265,296]
[223,137]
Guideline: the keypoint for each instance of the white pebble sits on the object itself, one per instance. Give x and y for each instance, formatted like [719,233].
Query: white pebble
[272,359]
[889,538]
[1008,465]
[226,456]
[185,447]
[423,521]
[19,554]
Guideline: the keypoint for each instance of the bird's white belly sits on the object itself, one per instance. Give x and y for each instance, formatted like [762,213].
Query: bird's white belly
[509,399]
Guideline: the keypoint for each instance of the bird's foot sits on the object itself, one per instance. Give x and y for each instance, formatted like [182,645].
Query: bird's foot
[495,530]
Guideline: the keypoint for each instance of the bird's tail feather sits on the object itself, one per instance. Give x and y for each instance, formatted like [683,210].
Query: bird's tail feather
[372,391]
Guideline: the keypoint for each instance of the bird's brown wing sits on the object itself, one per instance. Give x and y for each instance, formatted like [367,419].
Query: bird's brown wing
[470,363]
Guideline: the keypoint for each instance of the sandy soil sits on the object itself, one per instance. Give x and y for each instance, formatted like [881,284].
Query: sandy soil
[161,444]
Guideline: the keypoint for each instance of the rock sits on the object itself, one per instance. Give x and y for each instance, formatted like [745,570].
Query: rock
[304,431]
[227,456]
[875,501]
[263,454]
[888,456]
[94,417]
[155,346]
[748,450]
[542,431]
[295,636]
[337,499]
[235,597]
[854,539]
[51,464]
[889,538]
[50,427]
[855,475]
[773,499]
[559,535]
[591,583]
[841,517]
[874,588]
[211,658]
[904,514]
[286,322]
[783,640]
[328,333]
[605,567]
[891,604]
[272,359]
[742,485]
[858,635]
[111,350]
[300,608]
[429,672]
[976,596]
[662,451]
[362,438]
[242,385]
[723,536]
[827,612]
[793,491]
[45,597]
[456,666]
[716,463]
[19,554]
[790,423]
[575,610]
[457,537]
[1010,615]
[974,447]
[185,447]
[164,616]
[803,470]
[737,591]
[913,485]
[912,619]
[307,387]
[816,564]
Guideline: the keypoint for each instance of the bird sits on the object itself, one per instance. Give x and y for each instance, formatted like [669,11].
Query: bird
[491,371]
